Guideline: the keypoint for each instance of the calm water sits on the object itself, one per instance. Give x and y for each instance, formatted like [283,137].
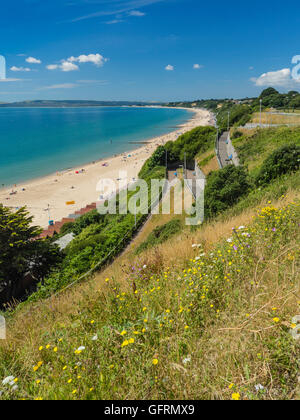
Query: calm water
[39,141]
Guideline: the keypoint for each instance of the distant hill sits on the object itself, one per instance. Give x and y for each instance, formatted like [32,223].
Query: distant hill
[71,104]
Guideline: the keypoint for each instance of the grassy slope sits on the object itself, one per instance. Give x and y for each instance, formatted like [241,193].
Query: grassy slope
[254,148]
[235,341]
[226,298]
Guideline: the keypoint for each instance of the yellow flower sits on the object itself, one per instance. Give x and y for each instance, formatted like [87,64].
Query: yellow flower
[276,320]
[155,362]
[125,343]
[38,382]
[48,346]
[131,341]
[92,322]
[91,389]
[41,348]
[74,392]
[144,309]
[70,381]
[231,386]
[236,396]
[145,320]
[55,349]
[65,367]
[123,332]
[186,327]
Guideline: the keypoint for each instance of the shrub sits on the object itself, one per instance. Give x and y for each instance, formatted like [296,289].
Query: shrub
[284,160]
[224,189]
[160,235]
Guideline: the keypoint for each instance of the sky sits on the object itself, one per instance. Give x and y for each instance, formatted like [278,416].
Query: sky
[147,50]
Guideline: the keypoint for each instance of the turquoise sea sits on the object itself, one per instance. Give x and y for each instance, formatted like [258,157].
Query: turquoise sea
[39,141]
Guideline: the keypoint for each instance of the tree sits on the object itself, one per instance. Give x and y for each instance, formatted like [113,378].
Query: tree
[284,160]
[224,188]
[21,252]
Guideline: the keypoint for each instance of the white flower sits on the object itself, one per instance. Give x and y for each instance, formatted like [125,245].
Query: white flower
[186,360]
[81,348]
[95,338]
[259,387]
[145,266]
[229,240]
[242,227]
[8,380]
[15,388]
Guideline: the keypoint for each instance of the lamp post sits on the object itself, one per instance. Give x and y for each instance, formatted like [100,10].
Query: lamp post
[260,118]
[228,122]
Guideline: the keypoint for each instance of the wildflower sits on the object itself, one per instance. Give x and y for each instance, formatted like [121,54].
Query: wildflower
[92,322]
[41,348]
[236,396]
[95,338]
[123,333]
[259,387]
[231,386]
[48,346]
[186,327]
[131,341]
[38,382]
[8,380]
[276,320]
[74,392]
[155,362]
[125,343]
[70,381]
[79,350]
[186,360]
[144,309]
[55,349]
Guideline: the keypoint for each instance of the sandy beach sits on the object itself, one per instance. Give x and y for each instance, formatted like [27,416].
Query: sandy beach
[78,185]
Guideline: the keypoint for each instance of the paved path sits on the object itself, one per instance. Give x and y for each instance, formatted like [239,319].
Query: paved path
[223,155]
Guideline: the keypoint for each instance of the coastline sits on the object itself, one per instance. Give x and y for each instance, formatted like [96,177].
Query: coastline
[73,184]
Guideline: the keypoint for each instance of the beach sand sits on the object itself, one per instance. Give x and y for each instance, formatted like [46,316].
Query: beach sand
[57,189]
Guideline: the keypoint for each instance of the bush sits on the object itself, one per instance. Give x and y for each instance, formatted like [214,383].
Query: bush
[224,189]
[160,235]
[284,160]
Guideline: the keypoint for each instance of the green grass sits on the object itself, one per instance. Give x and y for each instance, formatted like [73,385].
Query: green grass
[160,235]
[255,148]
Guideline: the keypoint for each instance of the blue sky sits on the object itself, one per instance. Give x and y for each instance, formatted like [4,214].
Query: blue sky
[152,50]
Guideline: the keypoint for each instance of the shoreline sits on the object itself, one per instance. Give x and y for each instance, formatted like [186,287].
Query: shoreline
[79,183]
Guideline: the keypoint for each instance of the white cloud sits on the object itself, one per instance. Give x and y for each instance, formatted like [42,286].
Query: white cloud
[120,6]
[279,78]
[136,13]
[10,80]
[14,68]
[96,59]
[52,66]
[62,86]
[197,66]
[65,66]
[169,67]
[33,60]
[114,21]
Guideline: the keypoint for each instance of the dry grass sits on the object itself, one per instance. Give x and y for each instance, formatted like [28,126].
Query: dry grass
[46,315]
[268,118]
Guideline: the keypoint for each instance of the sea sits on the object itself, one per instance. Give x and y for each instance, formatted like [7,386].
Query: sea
[35,142]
